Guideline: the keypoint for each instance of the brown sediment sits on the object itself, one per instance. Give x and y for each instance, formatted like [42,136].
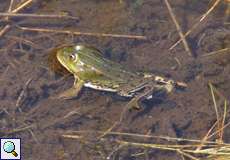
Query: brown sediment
[96,125]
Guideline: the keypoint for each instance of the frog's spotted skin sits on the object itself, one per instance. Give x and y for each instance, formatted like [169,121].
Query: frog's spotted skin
[92,70]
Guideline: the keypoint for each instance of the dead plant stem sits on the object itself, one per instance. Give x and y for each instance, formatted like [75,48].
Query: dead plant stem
[187,49]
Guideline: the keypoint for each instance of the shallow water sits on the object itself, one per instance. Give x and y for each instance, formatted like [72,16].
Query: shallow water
[28,84]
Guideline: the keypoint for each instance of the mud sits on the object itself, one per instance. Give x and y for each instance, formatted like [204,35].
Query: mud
[28,86]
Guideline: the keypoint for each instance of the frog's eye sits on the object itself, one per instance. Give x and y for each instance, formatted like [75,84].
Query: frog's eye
[72,57]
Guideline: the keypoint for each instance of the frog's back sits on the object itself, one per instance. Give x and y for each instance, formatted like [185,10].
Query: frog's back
[108,69]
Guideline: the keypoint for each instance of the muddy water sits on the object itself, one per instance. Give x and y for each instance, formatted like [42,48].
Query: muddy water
[28,111]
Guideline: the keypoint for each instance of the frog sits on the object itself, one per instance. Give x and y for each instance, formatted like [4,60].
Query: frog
[92,69]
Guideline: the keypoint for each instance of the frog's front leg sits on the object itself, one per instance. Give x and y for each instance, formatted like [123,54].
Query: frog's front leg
[74,91]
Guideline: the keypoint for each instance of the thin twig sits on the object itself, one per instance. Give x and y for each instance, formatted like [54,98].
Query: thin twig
[20,7]
[107,131]
[11,5]
[21,95]
[114,151]
[143,136]
[197,23]
[20,129]
[206,136]
[215,105]
[4,30]
[187,155]
[72,136]
[82,33]
[219,130]
[221,51]
[34,136]
[223,120]
[187,49]
[10,8]
[29,15]
[209,151]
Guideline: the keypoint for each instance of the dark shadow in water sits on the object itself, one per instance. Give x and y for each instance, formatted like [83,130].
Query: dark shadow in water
[193,70]
[193,46]
[147,105]
[180,130]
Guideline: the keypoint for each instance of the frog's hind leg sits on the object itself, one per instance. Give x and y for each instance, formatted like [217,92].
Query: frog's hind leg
[135,102]
[150,89]
[72,92]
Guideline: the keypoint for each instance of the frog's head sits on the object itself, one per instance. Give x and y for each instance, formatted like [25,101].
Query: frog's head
[68,57]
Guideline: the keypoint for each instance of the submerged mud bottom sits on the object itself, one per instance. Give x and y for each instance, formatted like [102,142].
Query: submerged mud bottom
[83,128]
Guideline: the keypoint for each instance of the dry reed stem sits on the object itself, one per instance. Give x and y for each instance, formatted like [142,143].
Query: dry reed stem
[82,33]
[215,106]
[114,151]
[21,95]
[142,136]
[223,120]
[30,15]
[219,130]
[219,94]
[197,23]
[4,30]
[20,7]
[34,136]
[206,136]
[187,155]
[220,125]
[221,51]
[187,49]
[10,8]
[72,136]
[20,129]
[108,130]
[211,148]
[227,12]
[209,151]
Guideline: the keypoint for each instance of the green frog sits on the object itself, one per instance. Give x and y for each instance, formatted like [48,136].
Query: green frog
[91,69]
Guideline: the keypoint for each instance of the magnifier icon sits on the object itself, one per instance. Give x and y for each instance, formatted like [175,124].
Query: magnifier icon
[9,147]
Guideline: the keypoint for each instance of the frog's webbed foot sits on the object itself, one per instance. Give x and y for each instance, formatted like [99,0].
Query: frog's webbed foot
[72,92]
